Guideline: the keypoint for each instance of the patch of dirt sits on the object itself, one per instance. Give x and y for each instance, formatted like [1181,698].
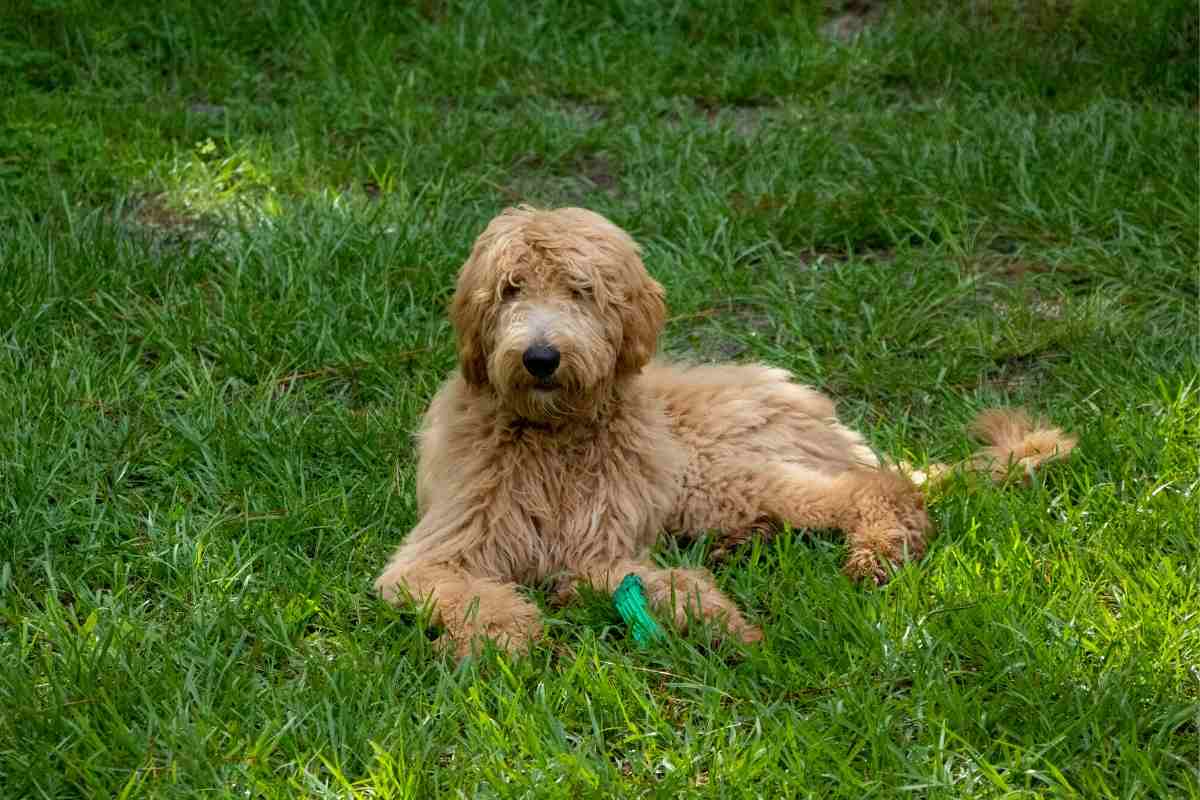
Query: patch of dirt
[369,190]
[1013,269]
[152,214]
[850,18]
[819,259]
[740,201]
[745,117]
[1035,16]
[600,171]
[587,176]
[586,112]
[204,109]
[702,342]
[746,121]
[1052,309]
[709,347]
[432,10]
[1016,374]
[582,109]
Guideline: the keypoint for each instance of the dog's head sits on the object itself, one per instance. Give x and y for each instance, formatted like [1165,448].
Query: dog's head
[551,308]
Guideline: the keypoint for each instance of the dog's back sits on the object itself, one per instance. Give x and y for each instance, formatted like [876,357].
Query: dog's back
[752,410]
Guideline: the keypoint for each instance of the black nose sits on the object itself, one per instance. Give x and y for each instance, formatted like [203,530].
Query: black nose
[541,360]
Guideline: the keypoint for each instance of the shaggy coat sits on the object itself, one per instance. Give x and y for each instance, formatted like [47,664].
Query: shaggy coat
[559,450]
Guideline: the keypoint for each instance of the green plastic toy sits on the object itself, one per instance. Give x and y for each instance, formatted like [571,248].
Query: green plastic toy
[630,600]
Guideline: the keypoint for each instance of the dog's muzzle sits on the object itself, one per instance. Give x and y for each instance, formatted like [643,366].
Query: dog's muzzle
[541,360]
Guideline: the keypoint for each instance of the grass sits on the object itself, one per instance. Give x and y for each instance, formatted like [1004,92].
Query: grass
[227,236]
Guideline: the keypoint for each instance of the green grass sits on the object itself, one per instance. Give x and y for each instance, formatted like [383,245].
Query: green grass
[227,237]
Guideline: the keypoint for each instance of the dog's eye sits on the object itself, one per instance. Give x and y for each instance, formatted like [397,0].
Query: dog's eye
[510,291]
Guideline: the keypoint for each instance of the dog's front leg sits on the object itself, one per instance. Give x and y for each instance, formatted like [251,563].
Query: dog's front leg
[681,593]
[469,607]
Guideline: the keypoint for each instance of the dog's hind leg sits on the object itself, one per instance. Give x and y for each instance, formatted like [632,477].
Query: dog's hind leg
[470,608]
[683,593]
[880,511]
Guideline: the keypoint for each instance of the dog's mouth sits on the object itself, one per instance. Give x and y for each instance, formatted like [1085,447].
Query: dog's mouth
[545,385]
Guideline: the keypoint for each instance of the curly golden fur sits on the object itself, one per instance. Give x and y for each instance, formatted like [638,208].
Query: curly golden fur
[1014,442]
[561,451]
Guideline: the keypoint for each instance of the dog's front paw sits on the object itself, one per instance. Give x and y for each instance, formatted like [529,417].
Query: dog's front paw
[867,564]
[511,641]
[390,586]
[512,627]
[748,634]
[727,622]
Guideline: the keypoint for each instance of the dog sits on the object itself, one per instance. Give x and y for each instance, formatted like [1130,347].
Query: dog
[561,450]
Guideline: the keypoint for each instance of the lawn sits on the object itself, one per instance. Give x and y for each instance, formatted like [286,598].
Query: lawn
[228,233]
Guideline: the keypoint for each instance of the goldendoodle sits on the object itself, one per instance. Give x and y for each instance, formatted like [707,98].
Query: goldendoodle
[559,450]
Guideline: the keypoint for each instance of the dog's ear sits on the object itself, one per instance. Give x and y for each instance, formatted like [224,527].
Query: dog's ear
[473,310]
[468,311]
[643,314]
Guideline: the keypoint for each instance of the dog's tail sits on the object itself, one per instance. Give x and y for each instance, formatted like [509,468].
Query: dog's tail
[1013,442]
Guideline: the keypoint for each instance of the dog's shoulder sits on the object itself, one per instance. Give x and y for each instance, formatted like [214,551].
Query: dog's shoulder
[457,409]
[454,425]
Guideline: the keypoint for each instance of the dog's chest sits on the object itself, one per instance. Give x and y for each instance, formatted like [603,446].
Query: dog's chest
[587,500]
